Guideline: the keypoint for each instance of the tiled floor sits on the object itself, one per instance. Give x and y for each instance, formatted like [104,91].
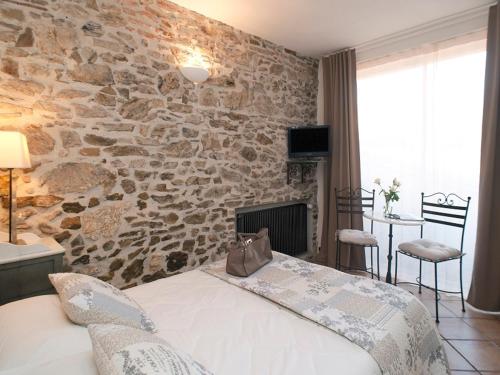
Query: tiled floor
[472,339]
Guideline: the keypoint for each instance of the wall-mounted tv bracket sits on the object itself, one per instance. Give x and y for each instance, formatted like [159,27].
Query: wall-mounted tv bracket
[299,166]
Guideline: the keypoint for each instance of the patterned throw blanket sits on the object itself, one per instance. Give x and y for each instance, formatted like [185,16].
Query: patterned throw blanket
[388,322]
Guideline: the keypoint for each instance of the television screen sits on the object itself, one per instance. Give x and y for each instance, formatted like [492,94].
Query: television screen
[308,141]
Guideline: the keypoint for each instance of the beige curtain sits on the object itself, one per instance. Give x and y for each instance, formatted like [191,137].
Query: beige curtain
[485,292]
[343,167]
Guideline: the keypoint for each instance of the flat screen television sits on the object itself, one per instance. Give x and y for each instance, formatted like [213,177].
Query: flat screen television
[308,141]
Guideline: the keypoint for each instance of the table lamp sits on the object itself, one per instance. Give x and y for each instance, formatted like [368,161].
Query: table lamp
[14,153]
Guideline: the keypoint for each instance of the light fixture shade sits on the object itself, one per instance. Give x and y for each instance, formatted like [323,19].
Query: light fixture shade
[14,151]
[196,74]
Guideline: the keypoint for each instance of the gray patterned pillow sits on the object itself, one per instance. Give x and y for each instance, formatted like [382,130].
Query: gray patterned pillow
[120,350]
[87,300]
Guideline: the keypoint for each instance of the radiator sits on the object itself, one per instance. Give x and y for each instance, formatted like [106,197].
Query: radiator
[287,226]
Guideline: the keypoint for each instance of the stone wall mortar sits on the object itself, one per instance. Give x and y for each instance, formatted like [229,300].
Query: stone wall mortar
[136,171]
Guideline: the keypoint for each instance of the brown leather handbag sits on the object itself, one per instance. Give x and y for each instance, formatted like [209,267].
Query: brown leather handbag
[251,252]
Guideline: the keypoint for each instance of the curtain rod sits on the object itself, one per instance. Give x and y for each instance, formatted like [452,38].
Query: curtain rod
[472,16]
[339,51]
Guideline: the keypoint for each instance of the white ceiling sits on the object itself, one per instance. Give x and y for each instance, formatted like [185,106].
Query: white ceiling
[316,27]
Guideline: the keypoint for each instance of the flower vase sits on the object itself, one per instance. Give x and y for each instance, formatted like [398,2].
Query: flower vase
[387,208]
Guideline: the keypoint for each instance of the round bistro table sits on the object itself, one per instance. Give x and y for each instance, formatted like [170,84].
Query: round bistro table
[380,218]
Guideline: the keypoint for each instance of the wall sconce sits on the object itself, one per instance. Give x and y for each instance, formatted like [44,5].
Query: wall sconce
[195,68]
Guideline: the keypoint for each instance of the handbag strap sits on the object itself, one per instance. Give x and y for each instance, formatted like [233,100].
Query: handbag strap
[243,240]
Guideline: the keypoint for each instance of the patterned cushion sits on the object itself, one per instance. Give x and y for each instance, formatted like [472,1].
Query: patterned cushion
[87,300]
[429,249]
[123,350]
[357,237]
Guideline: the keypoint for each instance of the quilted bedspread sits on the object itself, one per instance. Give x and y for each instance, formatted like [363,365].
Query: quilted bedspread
[389,323]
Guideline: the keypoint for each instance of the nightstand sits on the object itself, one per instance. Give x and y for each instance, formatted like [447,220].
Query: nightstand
[24,269]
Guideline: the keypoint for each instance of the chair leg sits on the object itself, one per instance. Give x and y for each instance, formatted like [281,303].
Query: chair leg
[378,263]
[461,287]
[436,290]
[396,270]
[420,277]
[371,259]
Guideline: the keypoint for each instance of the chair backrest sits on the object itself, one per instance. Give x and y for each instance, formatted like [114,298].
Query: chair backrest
[354,201]
[445,209]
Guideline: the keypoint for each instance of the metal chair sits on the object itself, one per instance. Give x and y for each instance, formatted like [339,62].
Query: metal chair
[438,208]
[350,202]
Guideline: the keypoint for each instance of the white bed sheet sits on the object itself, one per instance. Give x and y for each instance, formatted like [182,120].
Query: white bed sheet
[229,330]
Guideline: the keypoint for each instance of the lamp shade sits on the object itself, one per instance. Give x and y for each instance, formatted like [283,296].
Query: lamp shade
[14,151]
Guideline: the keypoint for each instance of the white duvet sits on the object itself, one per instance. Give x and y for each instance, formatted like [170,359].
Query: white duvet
[227,329]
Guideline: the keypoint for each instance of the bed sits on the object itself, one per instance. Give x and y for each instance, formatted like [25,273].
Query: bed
[228,329]
[289,317]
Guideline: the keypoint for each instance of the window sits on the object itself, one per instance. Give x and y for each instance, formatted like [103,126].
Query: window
[420,120]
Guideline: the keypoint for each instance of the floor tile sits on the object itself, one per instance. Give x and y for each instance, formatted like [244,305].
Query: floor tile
[457,329]
[443,311]
[449,297]
[488,327]
[456,308]
[484,355]
[455,372]
[456,361]
[413,289]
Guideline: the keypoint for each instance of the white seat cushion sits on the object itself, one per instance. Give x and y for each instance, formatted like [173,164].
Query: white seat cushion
[357,237]
[427,249]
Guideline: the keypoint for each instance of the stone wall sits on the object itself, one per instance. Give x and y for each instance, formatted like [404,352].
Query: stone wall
[136,171]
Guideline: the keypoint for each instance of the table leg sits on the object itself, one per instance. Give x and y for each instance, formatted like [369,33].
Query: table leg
[388,277]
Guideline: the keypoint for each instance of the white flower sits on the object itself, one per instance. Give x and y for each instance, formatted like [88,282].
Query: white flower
[377,181]
[395,182]
[393,188]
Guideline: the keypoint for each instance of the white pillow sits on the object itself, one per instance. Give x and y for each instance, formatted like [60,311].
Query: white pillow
[88,300]
[120,350]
